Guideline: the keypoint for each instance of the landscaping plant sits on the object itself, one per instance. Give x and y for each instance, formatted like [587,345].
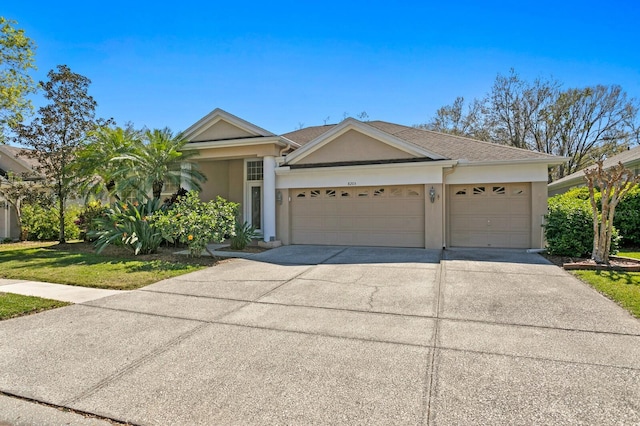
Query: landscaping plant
[43,223]
[244,234]
[197,223]
[128,224]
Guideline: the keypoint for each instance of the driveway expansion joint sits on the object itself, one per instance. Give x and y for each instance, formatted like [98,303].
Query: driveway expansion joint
[82,413]
[432,367]
[135,364]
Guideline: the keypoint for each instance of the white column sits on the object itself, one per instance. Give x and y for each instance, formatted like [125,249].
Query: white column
[269,197]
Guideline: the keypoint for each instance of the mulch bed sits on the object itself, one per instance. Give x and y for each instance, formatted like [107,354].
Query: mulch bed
[616,263]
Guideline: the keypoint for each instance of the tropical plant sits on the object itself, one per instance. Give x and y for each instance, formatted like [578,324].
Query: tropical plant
[128,224]
[244,234]
[157,160]
[86,219]
[94,163]
[197,223]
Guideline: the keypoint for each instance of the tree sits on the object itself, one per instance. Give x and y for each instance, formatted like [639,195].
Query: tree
[584,124]
[95,166]
[452,119]
[613,183]
[16,59]
[156,160]
[59,131]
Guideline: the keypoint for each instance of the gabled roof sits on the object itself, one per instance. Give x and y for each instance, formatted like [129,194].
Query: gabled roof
[629,158]
[440,145]
[220,115]
[333,132]
[13,152]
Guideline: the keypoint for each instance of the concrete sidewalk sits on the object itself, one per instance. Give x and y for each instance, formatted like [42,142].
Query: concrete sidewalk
[64,293]
[337,335]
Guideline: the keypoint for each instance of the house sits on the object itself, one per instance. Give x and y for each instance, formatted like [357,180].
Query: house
[373,184]
[630,158]
[11,162]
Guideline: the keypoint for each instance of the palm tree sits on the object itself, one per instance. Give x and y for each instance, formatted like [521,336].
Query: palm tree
[158,160]
[95,163]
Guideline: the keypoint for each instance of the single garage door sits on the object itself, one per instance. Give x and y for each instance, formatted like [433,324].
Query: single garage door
[388,216]
[490,215]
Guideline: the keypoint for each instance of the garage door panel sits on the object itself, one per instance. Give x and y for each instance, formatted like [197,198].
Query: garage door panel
[490,215]
[376,216]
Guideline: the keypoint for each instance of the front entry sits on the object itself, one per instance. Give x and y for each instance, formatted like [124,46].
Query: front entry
[253,205]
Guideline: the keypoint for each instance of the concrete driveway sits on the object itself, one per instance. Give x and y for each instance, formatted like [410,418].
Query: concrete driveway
[334,335]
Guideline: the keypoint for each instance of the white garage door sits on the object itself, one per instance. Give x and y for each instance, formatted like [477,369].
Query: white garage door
[388,216]
[490,215]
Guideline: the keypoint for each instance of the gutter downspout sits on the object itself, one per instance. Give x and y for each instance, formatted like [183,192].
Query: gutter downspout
[445,173]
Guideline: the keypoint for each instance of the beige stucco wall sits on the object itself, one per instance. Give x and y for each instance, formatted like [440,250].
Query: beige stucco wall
[222,130]
[354,146]
[538,210]
[282,217]
[224,179]
[236,185]
[235,152]
[433,217]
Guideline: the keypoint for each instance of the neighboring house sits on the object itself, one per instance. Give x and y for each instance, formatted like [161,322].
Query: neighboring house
[373,184]
[630,158]
[10,161]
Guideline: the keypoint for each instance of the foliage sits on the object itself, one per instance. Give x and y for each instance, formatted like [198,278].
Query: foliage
[19,190]
[157,159]
[627,218]
[95,167]
[43,223]
[73,264]
[197,223]
[16,60]
[87,217]
[128,224]
[15,305]
[584,124]
[243,235]
[613,184]
[623,288]
[58,132]
[568,229]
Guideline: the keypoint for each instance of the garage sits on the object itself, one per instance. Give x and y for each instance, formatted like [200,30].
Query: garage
[490,215]
[388,216]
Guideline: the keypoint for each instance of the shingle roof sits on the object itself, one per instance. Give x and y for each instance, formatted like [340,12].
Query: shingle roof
[626,157]
[449,146]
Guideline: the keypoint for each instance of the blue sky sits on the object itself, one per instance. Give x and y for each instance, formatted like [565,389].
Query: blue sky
[283,64]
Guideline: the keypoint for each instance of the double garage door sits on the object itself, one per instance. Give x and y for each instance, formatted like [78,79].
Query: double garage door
[389,216]
[479,215]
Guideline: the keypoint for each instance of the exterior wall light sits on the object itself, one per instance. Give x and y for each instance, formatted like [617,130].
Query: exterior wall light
[279,197]
[432,194]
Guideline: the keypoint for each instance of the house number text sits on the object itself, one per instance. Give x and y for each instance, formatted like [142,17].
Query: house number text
[351,183]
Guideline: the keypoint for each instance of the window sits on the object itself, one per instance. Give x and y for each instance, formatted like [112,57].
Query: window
[462,191]
[412,193]
[378,192]
[396,192]
[345,194]
[315,193]
[498,190]
[478,190]
[330,193]
[254,170]
[363,193]
[301,195]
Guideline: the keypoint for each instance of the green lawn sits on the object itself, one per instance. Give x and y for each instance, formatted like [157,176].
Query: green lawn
[622,287]
[629,253]
[42,262]
[14,305]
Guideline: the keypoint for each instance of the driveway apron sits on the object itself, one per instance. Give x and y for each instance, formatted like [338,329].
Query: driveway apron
[337,335]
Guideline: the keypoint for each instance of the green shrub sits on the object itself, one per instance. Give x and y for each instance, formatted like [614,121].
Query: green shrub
[89,213]
[196,223]
[43,223]
[569,225]
[244,234]
[627,218]
[128,224]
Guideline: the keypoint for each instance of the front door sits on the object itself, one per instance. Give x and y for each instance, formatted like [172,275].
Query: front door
[253,205]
